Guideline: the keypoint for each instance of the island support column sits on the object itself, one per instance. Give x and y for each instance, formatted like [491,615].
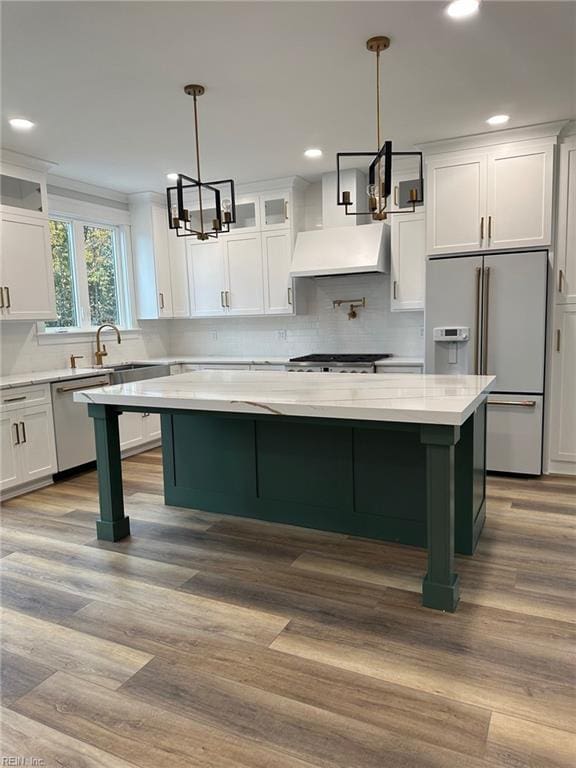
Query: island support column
[112,525]
[440,588]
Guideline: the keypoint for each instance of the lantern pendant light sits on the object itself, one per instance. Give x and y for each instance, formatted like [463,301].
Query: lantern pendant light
[380,168]
[197,208]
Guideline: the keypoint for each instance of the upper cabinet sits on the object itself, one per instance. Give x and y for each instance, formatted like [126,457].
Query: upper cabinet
[490,199]
[408,261]
[275,210]
[26,275]
[151,256]
[566,241]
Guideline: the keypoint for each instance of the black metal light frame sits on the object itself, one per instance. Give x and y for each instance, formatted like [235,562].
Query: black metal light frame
[385,155]
[181,223]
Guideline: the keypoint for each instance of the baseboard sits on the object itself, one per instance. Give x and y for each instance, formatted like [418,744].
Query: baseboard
[561,468]
[20,490]
[141,448]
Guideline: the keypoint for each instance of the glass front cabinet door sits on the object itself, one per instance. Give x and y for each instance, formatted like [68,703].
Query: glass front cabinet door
[247,214]
[275,210]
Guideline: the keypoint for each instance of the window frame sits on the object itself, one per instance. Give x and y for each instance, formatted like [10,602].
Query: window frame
[79,215]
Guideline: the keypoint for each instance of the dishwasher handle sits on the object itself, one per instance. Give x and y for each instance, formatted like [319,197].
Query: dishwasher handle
[80,387]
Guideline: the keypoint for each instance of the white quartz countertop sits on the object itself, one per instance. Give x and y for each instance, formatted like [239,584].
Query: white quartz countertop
[412,398]
[215,359]
[45,377]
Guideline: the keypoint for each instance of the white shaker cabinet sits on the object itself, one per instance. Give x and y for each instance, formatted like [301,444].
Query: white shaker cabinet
[244,285]
[26,277]
[566,241]
[278,287]
[178,275]
[9,468]
[495,198]
[137,430]
[455,202]
[275,210]
[37,444]
[563,399]
[206,277]
[151,258]
[408,261]
[519,206]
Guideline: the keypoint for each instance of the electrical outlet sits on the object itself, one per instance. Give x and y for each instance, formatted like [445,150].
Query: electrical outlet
[282,334]
[214,335]
[421,331]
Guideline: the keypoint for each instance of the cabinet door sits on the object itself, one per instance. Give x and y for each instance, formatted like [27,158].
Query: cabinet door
[455,203]
[275,210]
[247,214]
[151,426]
[207,279]
[9,456]
[131,430]
[520,195]
[563,402]
[408,261]
[566,250]
[162,261]
[38,447]
[245,294]
[178,275]
[27,269]
[277,254]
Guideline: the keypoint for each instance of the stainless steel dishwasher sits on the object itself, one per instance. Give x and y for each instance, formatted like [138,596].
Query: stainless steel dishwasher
[73,427]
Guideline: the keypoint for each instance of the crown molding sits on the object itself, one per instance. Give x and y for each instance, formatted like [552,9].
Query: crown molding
[11,157]
[87,189]
[479,140]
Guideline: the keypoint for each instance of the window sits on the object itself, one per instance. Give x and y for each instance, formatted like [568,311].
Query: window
[89,277]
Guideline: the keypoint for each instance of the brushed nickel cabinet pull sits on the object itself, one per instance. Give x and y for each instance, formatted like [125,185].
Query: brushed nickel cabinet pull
[24,438]
[8,300]
[82,387]
[558,340]
[285,210]
[290,295]
[486,311]
[478,318]
[489,227]
[227,298]
[395,289]
[161,300]
[396,196]
[518,403]
[560,280]
[481,229]
[1,298]
[17,433]
[222,303]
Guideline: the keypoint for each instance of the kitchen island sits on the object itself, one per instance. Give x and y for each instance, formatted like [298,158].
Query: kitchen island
[395,457]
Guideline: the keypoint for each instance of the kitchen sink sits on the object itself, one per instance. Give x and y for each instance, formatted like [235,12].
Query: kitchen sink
[128,372]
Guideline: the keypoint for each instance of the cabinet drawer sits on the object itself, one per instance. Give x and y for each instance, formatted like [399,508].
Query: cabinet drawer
[21,397]
[514,434]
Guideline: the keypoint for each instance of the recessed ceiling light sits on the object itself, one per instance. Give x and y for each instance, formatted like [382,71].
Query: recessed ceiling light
[21,124]
[460,9]
[313,153]
[498,119]
[172,176]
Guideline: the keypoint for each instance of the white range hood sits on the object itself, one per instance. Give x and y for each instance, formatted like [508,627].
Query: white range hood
[346,244]
[341,251]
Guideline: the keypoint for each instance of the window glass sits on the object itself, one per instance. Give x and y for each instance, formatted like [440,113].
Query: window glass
[99,250]
[62,262]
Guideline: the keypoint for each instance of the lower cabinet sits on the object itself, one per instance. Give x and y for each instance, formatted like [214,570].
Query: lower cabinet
[28,448]
[562,448]
[137,429]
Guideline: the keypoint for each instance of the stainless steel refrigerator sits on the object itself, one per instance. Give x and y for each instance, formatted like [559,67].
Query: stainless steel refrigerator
[497,301]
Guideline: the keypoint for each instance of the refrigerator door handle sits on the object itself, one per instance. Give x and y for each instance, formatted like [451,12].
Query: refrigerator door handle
[477,315]
[485,320]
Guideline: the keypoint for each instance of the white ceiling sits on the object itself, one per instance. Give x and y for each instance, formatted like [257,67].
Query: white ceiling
[103,81]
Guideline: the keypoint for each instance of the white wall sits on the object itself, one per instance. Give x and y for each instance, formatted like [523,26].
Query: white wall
[321,329]
[21,351]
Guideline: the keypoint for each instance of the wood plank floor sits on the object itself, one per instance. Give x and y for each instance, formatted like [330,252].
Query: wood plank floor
[228,643]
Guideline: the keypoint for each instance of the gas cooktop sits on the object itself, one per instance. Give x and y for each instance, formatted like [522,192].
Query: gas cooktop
[318,358]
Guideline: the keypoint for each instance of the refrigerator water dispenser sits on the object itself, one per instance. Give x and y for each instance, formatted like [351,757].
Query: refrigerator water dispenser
[452,350]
